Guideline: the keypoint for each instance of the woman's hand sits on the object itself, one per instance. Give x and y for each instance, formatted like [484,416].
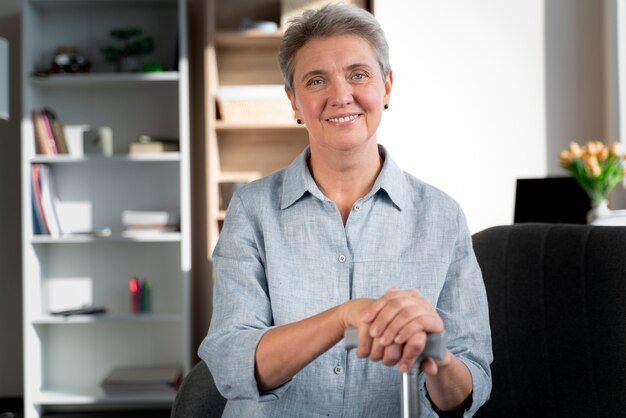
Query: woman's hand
[394,327]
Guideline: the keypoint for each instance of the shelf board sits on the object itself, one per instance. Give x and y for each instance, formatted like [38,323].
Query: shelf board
[95,395]
[102,79]
[64,4]
[250,127]
[118,158]
[239,176]
[248,38]
[119,317]
[83,238]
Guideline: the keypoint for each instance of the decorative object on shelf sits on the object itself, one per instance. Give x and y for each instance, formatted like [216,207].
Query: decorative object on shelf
[292,8]
[258,25]
[66,59]
[139,295]
[151,67]
[4,79]
[134,44]
[98,141]
[598,169]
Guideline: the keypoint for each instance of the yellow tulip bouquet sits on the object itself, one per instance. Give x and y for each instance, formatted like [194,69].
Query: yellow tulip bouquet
[595,167]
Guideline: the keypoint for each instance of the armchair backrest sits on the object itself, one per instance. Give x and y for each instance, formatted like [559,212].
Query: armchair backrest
[557,301]
[198,396]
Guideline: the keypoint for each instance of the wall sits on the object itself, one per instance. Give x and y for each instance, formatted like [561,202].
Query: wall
[488,91]
[575,63]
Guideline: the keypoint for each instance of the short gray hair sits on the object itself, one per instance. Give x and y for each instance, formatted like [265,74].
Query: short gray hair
[330,20]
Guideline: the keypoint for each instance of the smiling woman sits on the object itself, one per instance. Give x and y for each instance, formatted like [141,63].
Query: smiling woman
[344,238]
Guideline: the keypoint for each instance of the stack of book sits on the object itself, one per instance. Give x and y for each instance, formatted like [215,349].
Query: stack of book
[149,380]
[49,133]
[138,222]
[147,144]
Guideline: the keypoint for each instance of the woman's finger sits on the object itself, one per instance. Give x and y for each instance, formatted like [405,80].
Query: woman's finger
[411,350]
[401,307]
[372,311]
[392,354]
[377,351]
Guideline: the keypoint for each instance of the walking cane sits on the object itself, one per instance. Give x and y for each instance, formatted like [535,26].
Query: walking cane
[409,397]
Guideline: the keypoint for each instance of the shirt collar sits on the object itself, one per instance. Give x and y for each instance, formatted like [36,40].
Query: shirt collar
[298,181]
[391,179]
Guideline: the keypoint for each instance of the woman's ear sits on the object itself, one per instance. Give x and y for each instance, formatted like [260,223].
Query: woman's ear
[388,86]
[294,106]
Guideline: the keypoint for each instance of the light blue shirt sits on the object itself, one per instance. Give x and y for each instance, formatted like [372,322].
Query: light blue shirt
[284,255]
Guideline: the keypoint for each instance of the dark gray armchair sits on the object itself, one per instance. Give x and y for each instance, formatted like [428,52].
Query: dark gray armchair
[557,300]
[198,396]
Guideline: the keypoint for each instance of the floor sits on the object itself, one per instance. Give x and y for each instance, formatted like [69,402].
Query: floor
[13,408]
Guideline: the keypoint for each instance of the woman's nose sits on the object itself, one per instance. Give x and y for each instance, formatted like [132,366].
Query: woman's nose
[341,93]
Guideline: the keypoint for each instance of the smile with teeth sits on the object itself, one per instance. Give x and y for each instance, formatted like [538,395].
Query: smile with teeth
[343,118]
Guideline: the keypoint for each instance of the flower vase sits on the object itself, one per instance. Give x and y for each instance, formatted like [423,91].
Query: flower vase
[599,209]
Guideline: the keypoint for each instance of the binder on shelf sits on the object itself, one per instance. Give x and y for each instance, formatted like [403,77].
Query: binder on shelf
[39,223]
[42,141]
[49,133]
[50,201]
[58,130]
[45,202]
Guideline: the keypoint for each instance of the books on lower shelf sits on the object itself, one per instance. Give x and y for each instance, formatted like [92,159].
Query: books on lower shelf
[165,378]
[44,202]
[49,132]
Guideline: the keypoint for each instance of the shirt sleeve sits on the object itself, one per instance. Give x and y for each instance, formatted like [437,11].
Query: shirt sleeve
[241,309]
[463,307]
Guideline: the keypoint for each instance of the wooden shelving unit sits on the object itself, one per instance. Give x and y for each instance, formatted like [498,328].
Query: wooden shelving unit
[241,152]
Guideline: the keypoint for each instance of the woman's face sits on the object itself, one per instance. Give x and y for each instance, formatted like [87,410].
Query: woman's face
[339,91]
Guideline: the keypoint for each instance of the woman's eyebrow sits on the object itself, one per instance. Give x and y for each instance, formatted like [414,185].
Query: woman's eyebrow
[312,73]
[317,72]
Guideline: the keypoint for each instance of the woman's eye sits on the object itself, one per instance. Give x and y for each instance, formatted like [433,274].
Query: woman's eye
[359,76]
[315,82]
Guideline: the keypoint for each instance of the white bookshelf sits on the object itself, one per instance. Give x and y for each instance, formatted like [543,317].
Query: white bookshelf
[65,358]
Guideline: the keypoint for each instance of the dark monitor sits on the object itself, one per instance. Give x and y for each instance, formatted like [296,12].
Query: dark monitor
[551,200]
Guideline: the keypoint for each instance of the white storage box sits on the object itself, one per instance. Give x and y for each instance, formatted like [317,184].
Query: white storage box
[255,104]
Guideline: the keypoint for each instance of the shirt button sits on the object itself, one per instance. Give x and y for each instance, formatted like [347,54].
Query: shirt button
[338,369]
[342,258]
[357,207]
